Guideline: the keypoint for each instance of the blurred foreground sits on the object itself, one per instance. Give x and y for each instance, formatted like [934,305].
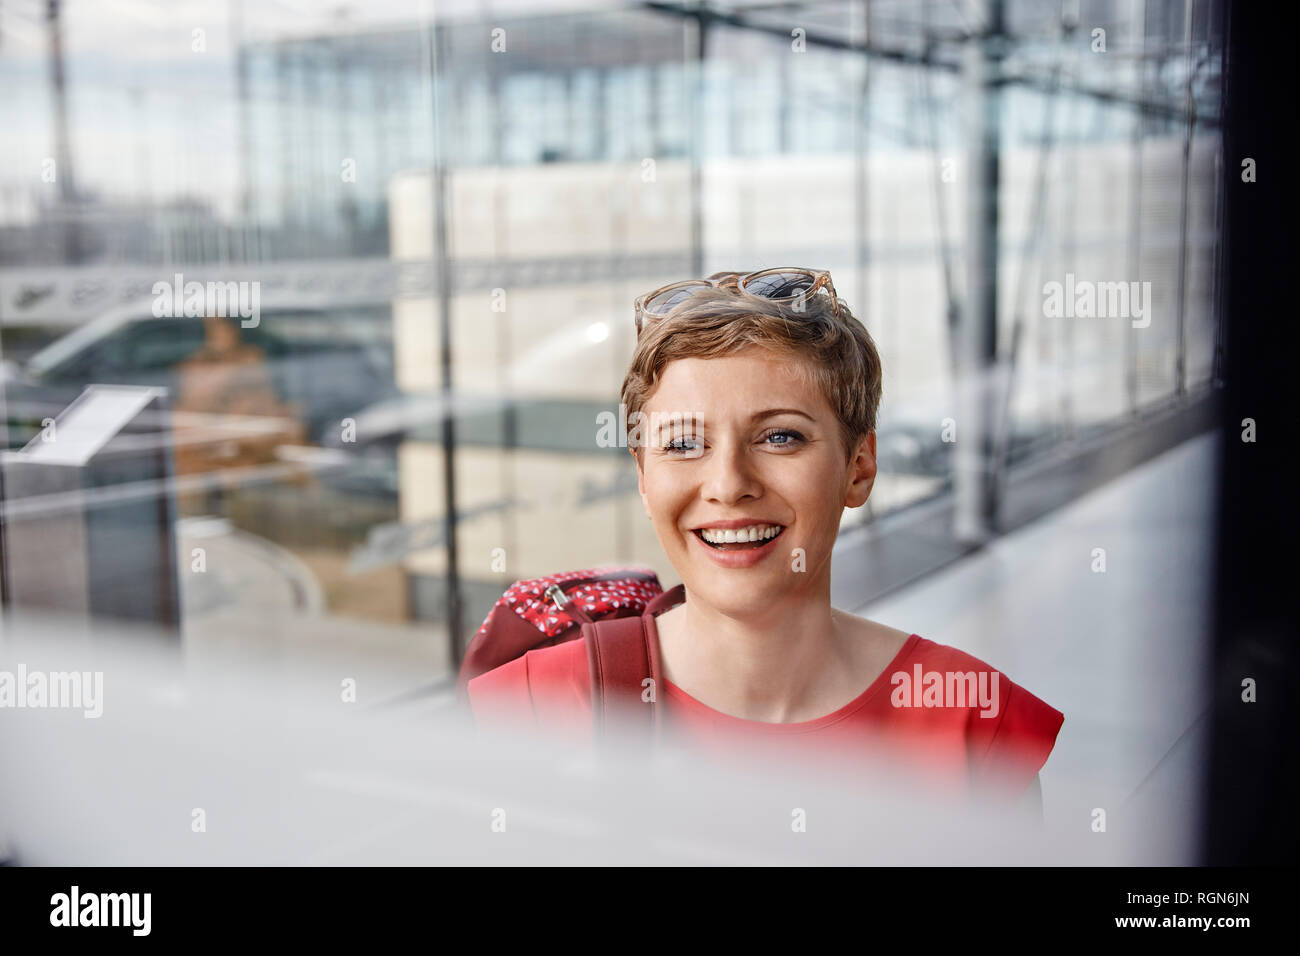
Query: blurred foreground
[213,764]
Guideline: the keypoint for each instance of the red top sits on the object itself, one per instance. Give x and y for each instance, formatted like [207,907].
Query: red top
[948,714]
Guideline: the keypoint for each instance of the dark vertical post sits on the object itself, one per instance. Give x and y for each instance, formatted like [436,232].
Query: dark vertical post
[861,32]
[63,172]
[283,124]
[445,280]
[1189,114]
[696,95]
[241,88]
[1135,211]
[861,27]
[4,445]
[349,208]
[977,338]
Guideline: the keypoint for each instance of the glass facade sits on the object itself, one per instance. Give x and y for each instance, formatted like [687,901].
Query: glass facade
[572,159]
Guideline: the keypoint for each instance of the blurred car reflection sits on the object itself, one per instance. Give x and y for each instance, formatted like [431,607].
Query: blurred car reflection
[291,378]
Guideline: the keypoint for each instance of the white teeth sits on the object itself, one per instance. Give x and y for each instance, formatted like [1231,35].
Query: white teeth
[741,535]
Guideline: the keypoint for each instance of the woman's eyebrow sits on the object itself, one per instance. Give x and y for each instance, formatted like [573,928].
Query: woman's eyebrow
[781,411]
[674,418]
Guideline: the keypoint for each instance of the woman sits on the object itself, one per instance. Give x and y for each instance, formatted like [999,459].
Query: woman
[760,392]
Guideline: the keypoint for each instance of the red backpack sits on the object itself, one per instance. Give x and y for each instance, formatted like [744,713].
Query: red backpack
[605,607]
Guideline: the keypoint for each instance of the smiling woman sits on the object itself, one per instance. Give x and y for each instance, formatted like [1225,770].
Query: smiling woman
[763,401]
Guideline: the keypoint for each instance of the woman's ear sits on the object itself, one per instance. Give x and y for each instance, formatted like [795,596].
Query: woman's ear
[640,480]
[862,472]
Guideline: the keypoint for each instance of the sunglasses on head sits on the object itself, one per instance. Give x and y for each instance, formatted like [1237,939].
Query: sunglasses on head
[787,284]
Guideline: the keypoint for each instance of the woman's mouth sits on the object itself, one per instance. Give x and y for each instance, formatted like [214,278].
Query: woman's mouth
[741,539]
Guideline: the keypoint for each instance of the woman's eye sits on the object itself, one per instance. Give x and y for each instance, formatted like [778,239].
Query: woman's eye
[784,438]
[790,437]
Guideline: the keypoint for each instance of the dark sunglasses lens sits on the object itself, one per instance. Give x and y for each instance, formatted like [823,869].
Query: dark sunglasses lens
[663,303]
[779,285]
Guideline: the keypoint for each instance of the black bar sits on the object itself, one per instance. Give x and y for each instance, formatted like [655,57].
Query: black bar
[1255,749]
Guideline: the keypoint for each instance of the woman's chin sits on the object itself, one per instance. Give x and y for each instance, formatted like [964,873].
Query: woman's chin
[736,594]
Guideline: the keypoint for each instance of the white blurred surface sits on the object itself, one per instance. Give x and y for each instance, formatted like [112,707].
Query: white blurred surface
[1122,653]
[287,773]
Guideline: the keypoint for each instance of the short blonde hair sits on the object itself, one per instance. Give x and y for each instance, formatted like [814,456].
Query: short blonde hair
[837,351]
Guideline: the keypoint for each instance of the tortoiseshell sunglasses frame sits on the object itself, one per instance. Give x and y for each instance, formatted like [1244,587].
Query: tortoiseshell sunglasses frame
[737,280]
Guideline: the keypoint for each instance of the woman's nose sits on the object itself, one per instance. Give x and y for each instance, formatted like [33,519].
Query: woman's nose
[730,475]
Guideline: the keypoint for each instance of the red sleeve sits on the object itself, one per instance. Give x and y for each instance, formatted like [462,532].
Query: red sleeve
[1020,743]
[547,688]
[502,696]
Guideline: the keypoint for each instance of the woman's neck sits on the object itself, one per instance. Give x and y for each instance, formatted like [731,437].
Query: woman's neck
[788,664]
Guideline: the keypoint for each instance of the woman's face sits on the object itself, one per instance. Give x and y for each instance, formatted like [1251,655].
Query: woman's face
[716,452]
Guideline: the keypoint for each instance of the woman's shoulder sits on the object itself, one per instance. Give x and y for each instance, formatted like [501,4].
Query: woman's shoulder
[1009,730]
[946,656]
[935,662]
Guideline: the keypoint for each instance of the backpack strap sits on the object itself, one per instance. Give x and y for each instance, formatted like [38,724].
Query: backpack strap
[620,657]
[621,654]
